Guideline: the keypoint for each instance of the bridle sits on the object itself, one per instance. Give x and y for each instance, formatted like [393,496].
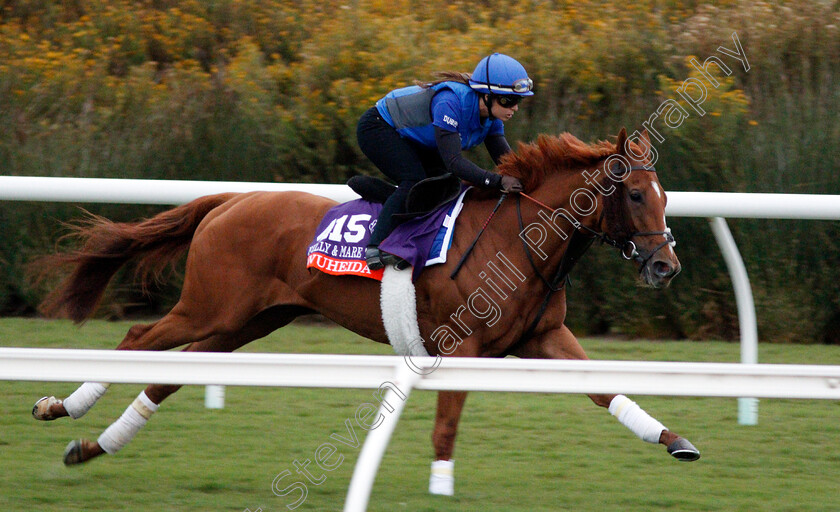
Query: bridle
[580,241]
[577,247]
[626,247]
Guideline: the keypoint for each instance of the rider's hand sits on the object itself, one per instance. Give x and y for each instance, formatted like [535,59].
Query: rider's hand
[510,184]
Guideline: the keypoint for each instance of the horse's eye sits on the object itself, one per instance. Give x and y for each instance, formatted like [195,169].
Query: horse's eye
[636,196]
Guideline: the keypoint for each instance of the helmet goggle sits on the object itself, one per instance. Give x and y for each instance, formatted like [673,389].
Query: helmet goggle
[522,85]
[507,96]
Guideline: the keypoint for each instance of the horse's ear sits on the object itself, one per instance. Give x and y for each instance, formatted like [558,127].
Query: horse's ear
[645,142]
[619,143]
[646,137]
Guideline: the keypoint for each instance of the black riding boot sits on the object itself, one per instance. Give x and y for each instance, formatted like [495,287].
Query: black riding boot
[375,258]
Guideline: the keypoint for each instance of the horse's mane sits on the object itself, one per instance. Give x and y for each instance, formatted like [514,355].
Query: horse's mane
[532,162]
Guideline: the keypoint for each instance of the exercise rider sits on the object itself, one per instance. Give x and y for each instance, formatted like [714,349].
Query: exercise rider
[418,131]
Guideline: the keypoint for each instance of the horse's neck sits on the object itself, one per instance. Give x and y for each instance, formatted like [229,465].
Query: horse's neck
[570,195]
[545,231]
[573,199]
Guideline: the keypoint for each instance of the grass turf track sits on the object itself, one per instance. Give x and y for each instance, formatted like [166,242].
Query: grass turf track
[515,452]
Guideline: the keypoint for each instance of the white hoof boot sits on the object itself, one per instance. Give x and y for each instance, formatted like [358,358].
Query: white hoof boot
[41,409]
[442,480]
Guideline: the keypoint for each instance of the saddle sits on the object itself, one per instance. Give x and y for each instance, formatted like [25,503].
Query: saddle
[426,196]
[422,239]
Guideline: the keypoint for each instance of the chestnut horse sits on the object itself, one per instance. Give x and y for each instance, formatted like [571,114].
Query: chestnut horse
[246,276]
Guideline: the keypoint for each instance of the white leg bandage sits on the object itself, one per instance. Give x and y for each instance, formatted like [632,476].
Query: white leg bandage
[637,420]
[81,400]
[399,312]
[124,429]
[442,480]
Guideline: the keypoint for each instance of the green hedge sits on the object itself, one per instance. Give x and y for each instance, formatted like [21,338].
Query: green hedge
[271,91]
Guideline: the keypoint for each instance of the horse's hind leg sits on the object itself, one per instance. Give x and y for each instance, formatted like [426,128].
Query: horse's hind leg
[76,405]
[82,450]
[119,433]
[85,397]
[180,326]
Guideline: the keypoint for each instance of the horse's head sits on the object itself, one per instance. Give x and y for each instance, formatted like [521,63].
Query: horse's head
[634,212]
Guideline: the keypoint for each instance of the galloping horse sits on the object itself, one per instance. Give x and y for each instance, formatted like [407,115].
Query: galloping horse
[246,276]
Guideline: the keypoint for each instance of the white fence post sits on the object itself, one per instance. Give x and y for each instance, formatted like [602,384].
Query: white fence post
[214,396]
[377,440]
[747,407]
[783,381]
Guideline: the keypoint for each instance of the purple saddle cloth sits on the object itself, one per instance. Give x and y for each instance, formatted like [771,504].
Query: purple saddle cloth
[343,234]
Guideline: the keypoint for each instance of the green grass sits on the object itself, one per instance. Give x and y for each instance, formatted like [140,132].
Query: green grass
[515,452]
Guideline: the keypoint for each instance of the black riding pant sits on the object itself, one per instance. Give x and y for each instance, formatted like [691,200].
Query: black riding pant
[400,159]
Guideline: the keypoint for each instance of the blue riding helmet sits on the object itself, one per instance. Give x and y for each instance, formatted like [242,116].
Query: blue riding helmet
[500,74]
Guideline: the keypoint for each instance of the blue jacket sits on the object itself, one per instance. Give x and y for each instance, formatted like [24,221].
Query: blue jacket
[414,112]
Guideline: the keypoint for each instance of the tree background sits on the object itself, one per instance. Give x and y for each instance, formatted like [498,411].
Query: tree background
[270,90]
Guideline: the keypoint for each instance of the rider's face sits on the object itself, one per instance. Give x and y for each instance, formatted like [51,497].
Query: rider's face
[499,112]
[503,113]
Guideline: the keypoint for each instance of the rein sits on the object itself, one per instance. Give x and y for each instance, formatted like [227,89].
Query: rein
[562,272]
[577,248]
[627,248]
[579,243]
[623,248]
[472,245]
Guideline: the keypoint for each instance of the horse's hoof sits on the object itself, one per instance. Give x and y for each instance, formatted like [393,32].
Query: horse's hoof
[683,450]
[74,453]
[41,409]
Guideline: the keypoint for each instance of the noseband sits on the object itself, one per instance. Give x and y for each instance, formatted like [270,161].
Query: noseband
[626,247]
[577,247]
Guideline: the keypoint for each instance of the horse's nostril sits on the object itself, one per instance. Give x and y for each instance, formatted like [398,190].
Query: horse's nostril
[663,269]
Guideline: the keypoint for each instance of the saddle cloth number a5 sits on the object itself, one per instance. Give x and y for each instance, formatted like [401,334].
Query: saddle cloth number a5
[354,233]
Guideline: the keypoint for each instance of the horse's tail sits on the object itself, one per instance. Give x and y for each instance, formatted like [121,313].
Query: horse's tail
[155,243]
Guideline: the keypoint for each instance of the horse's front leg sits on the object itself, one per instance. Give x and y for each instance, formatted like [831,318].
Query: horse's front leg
[449,407]
[562,344]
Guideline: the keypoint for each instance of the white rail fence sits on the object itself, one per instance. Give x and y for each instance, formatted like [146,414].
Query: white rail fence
[715,206]
[454,374]
[465,374]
